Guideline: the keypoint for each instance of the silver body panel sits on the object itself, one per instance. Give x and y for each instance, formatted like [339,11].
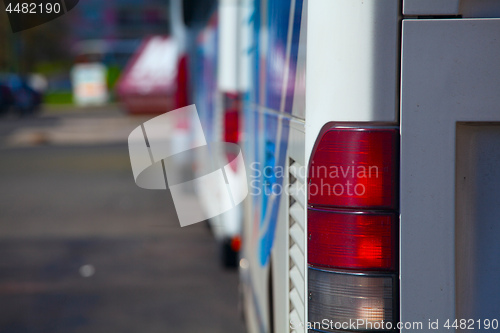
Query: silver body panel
[450,74]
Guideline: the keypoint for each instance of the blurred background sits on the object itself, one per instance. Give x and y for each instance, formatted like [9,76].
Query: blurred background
[82,248]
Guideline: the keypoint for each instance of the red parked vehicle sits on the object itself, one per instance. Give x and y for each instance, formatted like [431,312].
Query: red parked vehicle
[155,80]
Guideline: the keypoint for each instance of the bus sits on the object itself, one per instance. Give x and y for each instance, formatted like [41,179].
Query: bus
[220,63]
[371,132]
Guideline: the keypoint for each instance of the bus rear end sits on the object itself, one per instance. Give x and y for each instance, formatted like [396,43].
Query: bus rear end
[372,132]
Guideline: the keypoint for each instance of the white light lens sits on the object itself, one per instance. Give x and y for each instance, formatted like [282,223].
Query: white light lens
[343,299]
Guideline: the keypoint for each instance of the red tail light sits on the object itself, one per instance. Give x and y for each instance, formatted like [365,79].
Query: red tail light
[181,96]
[232,109]
[236,243]
[352,240]
[353,225]
[355,168]
[231,126]
[231,118]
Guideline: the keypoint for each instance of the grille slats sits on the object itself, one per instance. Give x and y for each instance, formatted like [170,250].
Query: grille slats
[296,209]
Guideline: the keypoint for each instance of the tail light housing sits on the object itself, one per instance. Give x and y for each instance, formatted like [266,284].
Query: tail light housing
[353,229]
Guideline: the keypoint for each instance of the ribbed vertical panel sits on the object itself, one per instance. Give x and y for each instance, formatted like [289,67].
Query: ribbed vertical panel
[296,243]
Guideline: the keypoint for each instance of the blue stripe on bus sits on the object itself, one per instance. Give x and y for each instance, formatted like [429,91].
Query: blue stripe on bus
[278,12]
[275,185]
[277,28]
[294,52]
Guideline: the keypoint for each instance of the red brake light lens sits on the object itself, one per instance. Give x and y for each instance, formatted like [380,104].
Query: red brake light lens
[355,168]
[231,126]
[231,118]
[232,107]
[236,243]
[352,240]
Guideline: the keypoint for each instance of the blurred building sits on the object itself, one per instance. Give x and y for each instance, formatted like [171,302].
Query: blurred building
[110,20]
[118,19]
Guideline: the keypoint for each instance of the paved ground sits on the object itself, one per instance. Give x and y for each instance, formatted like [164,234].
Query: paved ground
[83,249]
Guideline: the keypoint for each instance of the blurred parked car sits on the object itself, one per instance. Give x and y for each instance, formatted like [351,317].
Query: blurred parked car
[17,95]
[6,98]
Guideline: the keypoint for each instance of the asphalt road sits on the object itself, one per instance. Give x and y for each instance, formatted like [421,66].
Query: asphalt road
[83,249]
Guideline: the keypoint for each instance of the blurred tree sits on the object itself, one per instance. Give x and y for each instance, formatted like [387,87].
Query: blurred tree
[197,12]
[45,43]
[7,59]
[23,51]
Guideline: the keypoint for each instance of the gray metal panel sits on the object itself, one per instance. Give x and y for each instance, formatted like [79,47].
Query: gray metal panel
[450,74]
[480,8]
[466,8]
[477,247]
[431,7]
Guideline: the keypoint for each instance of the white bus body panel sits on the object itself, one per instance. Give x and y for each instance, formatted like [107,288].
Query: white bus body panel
[450,75]
[352,63]
[234,41]
[228,45]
